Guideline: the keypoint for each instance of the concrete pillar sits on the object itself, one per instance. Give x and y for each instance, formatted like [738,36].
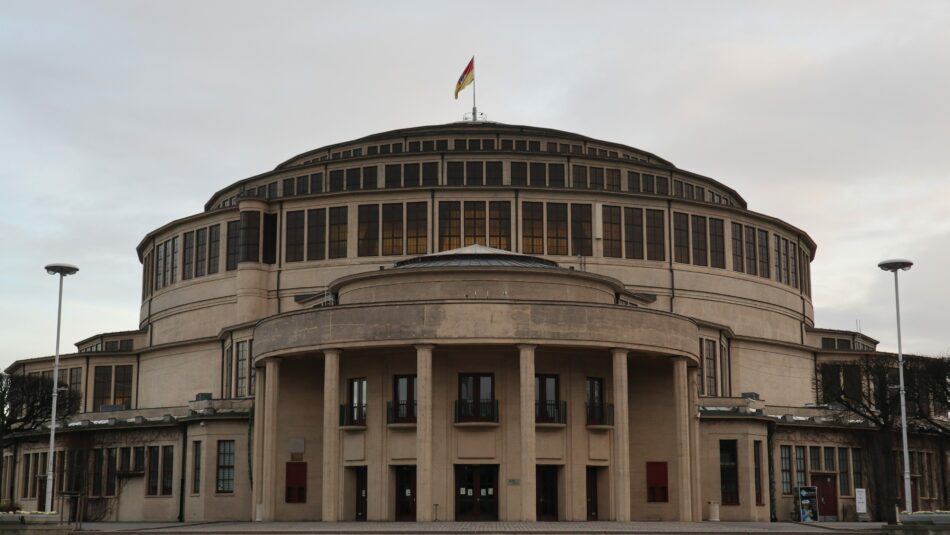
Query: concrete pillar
[621,456]
[684,499]
[424,503]
[258,445]
[528,462]
[695,473]
[269,492]
[332,482]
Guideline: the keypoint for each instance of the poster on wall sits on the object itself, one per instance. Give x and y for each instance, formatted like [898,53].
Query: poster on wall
[861,501]
[806,502]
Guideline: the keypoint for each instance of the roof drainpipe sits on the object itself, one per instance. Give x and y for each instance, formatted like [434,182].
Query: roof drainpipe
[181,483]
[669,249]
[770,443]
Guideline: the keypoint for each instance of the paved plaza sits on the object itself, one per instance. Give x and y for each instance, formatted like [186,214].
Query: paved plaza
[478,527]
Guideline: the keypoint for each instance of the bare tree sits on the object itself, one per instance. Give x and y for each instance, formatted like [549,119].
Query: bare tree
[26,404]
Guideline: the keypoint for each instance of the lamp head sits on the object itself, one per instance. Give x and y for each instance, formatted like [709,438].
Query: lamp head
[895,264]
[61,269]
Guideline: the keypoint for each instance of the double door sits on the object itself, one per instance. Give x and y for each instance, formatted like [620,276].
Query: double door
[546,489]
[476,492]
[406,493]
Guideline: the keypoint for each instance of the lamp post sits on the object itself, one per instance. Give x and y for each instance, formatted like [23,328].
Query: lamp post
[894,266]
[62,270]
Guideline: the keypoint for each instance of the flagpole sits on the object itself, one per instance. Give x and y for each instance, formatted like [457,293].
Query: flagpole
[474,109]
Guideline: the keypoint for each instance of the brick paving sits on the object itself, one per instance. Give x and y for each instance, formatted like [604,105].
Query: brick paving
[483,528]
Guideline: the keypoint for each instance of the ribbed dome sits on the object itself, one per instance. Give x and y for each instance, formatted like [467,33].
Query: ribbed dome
[475,255]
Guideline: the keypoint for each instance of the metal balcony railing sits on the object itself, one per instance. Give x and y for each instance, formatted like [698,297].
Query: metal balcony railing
[400,412]
[600,413]
[470,410]
[550,412]
[353,415]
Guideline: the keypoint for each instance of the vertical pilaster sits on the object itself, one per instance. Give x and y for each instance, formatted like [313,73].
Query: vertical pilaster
[424,507]
[621,457]
[269,464]
[528,489]
[695,473]
[331,436]
[684,508]
[258,445]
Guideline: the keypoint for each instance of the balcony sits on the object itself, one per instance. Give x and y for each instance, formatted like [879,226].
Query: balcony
[401,412]
[353,415]
[599,414]
[550,412]
[476,411]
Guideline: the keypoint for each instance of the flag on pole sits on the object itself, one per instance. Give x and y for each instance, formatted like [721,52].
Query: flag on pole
[468,76]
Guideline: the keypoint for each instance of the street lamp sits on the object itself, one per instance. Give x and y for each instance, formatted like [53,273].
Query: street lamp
[894,266]
[62,270]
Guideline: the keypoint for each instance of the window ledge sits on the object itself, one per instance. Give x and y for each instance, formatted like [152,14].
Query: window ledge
[599,427]
[352,428]
[477,424]
[402,425]
[554,425]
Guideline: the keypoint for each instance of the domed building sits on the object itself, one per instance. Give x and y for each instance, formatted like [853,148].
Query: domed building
[469,321]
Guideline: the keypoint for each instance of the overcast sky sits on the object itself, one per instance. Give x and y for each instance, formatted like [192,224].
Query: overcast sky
[118,117]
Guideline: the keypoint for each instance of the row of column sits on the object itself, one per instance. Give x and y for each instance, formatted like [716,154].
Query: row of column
[265,495]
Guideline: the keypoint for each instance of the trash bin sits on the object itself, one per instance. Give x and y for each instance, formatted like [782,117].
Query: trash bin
[714,511]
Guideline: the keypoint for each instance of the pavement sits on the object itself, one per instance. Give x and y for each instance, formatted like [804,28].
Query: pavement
[482,528]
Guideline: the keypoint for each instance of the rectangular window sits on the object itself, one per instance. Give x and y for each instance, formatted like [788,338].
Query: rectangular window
[793,265]
[656,235]
[757,470]
[353,178]
[800,466]
[417,228]
[475,223]
[241,371]
[785,270]
[450,225]
[356,408]
[294,236]
[557,228]
[499,225]
[188,262]
[224,478]
[75,380]
[102,387]
[122,395]
[317,234]
[295,490]
[336,180]
[338,231]
[96,474]
[633,181]
[411,177]
[214,248]
[111,475]
[404,399]
[648,184]
[662,185]
[681,237]
[201,252]
[393,175]
[581,230]
[738,262]
[316,183]
[538,177]
[174,262]
[829,459]
[612,232]
[303,185]
[717,243]
[729,472]
[519,174]
[709,354]
[234,245]
[579,176]
[763,253]
[288,187]
[778,257]
[474,173]
[430,174]
[814,458]
[633,233]
[532,228]
[857,469]
[151,483]
[750,262]
[250,236]
[168,465]
[786,459]
[556,175]
[597,178]
[476,401]
[138,459]
[613,180]
[392,229]
[269,242]
[196,467]
[367,243]
[700,252]
[493,173]
[844,483]
[657,482]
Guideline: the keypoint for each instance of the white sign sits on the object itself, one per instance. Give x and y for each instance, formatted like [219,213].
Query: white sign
[861,501]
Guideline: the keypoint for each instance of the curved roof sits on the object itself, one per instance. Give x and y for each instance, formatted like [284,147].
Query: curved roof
[475,256]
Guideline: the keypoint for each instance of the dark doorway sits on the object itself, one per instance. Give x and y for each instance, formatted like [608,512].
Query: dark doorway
[827,496]
[405,493]
[546,484]
[41,492]
[476,492]
[360,472]
[592,493]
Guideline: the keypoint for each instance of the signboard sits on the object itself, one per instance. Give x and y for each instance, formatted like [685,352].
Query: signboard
[806,503]
[861,501]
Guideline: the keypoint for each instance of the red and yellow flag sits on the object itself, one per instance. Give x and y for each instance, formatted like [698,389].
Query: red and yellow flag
[468,76]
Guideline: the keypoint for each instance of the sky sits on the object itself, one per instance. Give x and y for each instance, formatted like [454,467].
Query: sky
[119,116]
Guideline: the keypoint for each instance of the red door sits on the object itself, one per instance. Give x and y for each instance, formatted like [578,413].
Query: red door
[827,496]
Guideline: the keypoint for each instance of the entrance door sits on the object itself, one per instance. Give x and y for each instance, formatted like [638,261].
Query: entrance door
[41,492]
[591,493]
[476,488]
[827,496]
[546,484]
[406,493]
[360,492]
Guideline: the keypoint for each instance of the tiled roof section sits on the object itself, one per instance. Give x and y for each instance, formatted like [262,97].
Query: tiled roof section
[476,256]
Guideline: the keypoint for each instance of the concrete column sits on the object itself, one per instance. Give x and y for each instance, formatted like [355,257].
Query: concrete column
[258,445]
[621,456]
[332,482]
[695,473]
[684,508]
[528,462]
[424,503]
[269,493]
